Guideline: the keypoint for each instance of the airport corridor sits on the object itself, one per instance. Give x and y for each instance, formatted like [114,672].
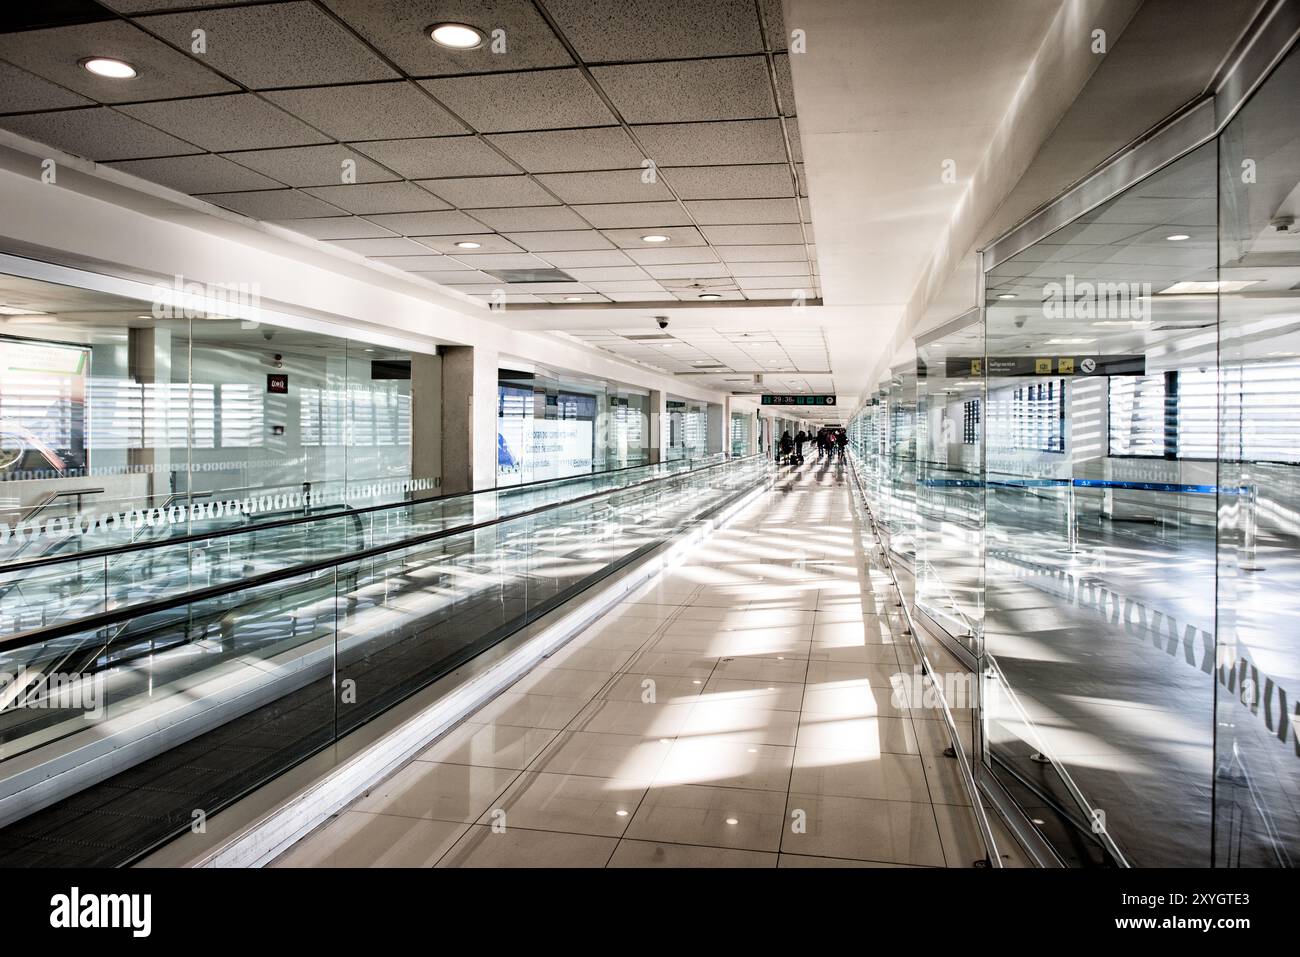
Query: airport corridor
[737,711]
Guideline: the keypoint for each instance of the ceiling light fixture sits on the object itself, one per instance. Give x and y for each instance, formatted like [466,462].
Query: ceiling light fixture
[654,238]
[573,299]
[710,295]
[457,36]
[466,244]
[1006,295]
[109,68]
[1177,237]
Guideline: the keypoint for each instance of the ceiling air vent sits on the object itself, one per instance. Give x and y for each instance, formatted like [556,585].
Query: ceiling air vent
[530,275]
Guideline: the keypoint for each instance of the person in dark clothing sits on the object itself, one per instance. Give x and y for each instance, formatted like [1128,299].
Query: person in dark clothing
[799,440]
[841,442]
[786,447]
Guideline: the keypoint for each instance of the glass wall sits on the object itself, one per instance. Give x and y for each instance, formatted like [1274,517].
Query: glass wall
[688,432]
[1098,481]
[109,413]
[743,437]
[554,424]
[949,489]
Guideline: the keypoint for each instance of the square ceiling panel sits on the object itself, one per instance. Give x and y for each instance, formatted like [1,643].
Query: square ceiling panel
[272,204]
[608,273]
[714,212]
[761,254]
[26,93]
[769,269]
[656,255]
[337,227]
[735,88]
[589,257]
[610,186]
[677,236]
[488,244]
[419,262]
[631,215]
[784,234]
[226,123]
[372,111]
[205,173]
[399,29]
[657,29]
[274,44]
[56,55]
[487,192]
[97,133]
[529,218]
[313,165]
[366,198]
[740,142]
[447,223]
[689,271]
[501,261]
[437,157]
[553,151]
[395,246]
[505,102]
[768,180]
[560,240]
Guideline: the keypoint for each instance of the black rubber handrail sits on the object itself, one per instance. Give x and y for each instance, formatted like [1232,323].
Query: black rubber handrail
[110,550]
[35,636]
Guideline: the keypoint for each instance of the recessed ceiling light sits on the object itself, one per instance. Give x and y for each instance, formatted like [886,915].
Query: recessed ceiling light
[710,295]
[621,813]
[1177,237]
[732,820]
[573,299]
[466,244]
[654,238]
[1006,295]
[109,68]
[456,36]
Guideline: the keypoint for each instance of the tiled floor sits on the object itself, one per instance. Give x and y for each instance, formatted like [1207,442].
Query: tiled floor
[738,712]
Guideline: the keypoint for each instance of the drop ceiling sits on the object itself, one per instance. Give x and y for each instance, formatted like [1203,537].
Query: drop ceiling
[539,152]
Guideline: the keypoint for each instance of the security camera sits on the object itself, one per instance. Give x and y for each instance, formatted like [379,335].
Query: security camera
[266,334]
[1019,322]
[663,321]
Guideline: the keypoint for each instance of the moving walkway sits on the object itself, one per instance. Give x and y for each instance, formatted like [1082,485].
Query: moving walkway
[122,727]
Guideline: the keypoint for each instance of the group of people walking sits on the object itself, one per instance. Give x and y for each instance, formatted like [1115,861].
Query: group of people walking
[831,444]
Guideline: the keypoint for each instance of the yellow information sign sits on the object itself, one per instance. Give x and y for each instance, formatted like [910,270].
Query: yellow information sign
[1043,366]
[975,366]
[1065,365]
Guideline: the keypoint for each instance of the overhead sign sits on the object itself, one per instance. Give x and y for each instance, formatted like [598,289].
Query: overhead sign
[277,383]
[798,400]
[967,367]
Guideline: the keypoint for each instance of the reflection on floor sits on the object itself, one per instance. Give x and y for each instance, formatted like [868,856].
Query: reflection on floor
[738,712]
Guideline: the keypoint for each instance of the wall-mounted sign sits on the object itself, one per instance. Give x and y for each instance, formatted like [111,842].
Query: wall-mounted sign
[798,400]
[968,367]
[277,383]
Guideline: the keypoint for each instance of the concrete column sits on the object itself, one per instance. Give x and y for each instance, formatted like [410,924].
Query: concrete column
[469,414]
[426,423]
[657,448]
[718,424]
[149,362]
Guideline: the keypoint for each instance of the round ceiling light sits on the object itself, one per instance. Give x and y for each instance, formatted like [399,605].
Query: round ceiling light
[710,295]
[1178,237]
[109,68]
[456,36]
[573,299]
[466,244]
[654,238]
[1007,295]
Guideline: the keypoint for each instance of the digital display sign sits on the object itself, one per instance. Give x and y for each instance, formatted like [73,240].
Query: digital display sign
[798,400]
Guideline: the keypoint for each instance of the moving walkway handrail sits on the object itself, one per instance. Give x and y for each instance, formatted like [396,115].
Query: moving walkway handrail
[127,612]
[110,550]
